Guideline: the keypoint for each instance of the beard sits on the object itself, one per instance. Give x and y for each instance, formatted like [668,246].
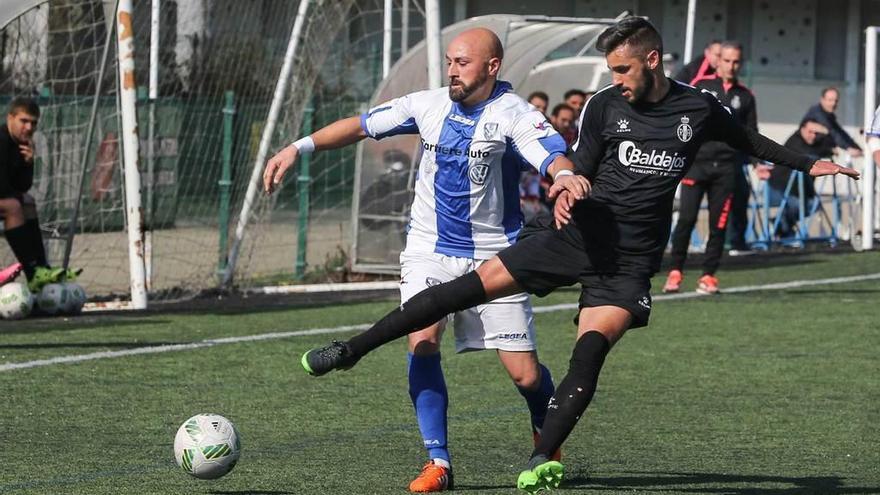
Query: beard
[460,91]
[638,93]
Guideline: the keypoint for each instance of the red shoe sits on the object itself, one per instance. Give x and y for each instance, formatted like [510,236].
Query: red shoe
[708,284]
[9,273]
[433,478]
[557,456]
[673,281]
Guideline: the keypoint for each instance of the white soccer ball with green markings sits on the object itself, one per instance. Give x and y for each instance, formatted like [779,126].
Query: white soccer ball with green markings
[16,301]
[52,299]
[76,299]
[207,446]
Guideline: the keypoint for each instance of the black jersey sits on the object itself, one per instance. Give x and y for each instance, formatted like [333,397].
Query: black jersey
[635,155]
[16,175]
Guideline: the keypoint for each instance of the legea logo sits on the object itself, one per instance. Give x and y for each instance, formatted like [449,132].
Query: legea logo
[630,155]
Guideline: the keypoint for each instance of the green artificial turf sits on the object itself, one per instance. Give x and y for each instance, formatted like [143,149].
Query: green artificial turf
[765,393]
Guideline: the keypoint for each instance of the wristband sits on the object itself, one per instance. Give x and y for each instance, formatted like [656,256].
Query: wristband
[305,145]
[562,173]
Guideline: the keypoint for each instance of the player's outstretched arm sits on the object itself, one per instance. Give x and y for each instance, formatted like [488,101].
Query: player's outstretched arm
[723,127]
[565,179]
[336,135]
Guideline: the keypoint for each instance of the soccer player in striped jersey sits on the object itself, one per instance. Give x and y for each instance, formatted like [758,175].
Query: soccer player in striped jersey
[476,137]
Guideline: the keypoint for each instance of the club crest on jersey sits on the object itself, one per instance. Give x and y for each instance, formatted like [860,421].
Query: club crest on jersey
[431,281]
[541,126]
[684,131]
[478,172]
[623,125]
[489,129]
[735,102]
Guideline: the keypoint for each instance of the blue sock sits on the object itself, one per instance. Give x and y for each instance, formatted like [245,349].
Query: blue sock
[539,398]
[427,389]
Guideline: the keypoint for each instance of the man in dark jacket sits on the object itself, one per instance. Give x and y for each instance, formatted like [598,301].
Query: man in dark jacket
[811,139]
[713,174]
[701,67]
[823,113]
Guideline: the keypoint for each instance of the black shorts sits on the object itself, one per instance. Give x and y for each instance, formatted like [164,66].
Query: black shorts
[545,258]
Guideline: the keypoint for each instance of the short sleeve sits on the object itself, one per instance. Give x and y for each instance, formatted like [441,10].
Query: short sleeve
[390,119]
[536,140]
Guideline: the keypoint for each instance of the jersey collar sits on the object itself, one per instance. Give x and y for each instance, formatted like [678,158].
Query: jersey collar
[500,88]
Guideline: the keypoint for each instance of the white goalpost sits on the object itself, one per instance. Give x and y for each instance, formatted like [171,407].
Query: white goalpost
[869,193]
[130,147]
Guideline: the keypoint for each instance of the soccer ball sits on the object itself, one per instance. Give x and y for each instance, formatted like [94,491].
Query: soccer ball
[16,301]
[207,446]
[52,299]
[76,299]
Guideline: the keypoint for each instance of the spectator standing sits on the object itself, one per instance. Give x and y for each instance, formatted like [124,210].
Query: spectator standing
[714,172]
[702,67]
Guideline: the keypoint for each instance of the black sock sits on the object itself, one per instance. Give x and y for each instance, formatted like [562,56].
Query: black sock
[18,240]
[573,394]
[35,239]
[424,309]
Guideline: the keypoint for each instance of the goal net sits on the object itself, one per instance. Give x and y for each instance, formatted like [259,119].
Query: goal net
[206,73]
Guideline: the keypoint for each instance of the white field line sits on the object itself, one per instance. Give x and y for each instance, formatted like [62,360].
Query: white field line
[76,358]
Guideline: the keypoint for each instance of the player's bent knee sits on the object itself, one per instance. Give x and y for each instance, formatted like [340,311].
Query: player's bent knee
[529,380]
[424,347]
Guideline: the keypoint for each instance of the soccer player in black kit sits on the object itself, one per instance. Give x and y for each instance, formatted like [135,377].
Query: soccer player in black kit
[714,174]
[638,137]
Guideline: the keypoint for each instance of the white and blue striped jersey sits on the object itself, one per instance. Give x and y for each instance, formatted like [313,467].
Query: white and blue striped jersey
[467,189]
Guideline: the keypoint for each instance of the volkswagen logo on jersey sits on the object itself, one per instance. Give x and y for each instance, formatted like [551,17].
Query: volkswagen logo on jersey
[478,172]
[684,131]
[489,129]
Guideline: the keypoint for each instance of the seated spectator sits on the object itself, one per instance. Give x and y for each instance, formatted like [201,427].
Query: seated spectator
[532,195]
[823,113]
[576,99]
[17,208]
[811,139]
[563,120]
[539,100]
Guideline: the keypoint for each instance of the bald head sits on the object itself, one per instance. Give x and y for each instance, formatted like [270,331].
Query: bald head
[480,41]
[473,59]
